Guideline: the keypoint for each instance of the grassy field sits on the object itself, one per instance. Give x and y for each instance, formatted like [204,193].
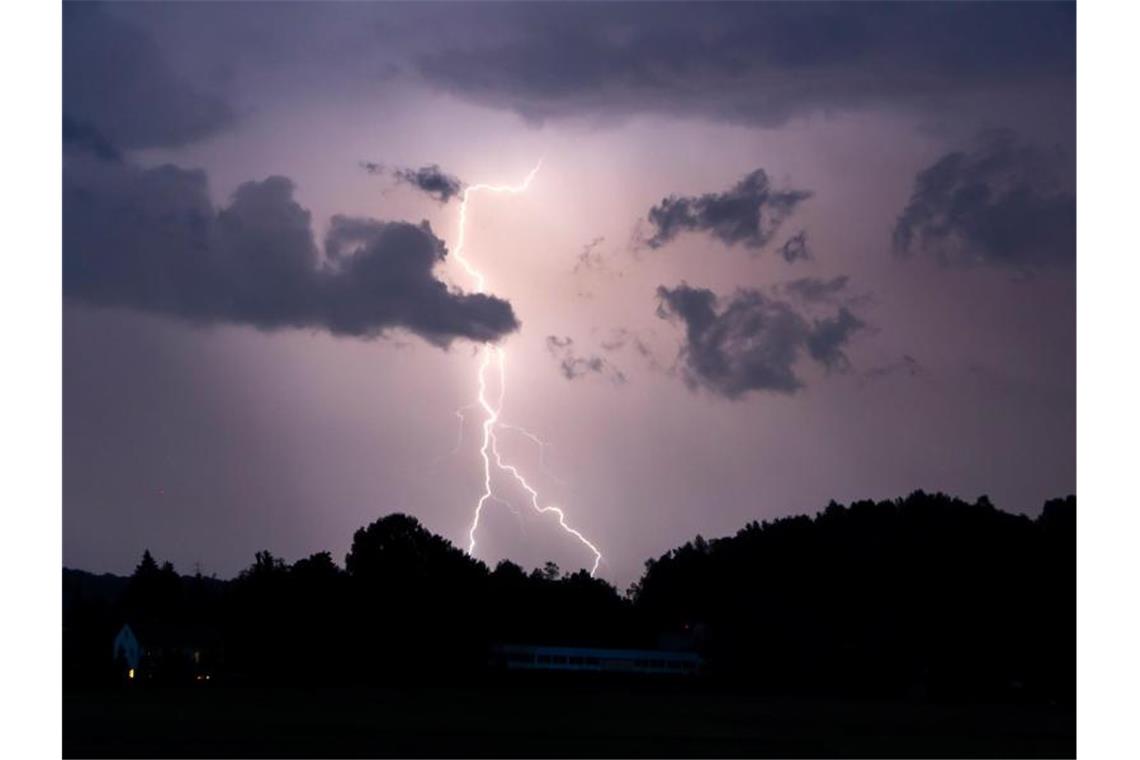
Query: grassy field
[541,721]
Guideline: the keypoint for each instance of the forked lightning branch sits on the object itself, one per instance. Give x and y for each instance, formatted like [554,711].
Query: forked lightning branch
[494,357]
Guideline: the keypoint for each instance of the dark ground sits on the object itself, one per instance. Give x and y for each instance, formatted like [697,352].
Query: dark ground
[542,720]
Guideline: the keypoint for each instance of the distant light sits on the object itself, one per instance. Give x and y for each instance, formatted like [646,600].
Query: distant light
[131,673]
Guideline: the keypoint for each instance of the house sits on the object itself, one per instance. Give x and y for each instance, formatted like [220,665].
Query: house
[126,649]
[523,657]
[155,651]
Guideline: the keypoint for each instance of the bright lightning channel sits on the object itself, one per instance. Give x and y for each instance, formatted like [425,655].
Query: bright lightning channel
[491,354]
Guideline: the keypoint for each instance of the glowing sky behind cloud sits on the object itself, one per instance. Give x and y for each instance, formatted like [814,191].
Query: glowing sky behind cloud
[206,444]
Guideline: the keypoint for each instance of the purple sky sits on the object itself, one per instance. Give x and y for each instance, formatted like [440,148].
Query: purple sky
[231,384]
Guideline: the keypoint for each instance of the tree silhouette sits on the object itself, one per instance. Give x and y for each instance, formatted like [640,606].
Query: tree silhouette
[549,572]
[925,595]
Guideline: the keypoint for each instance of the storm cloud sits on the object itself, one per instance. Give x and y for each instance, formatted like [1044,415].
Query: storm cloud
[116,81]
[749,213]
[151,240]
[431,180]
[751,342]
[1001,204]
[750,63]
[85,138]
[828,337]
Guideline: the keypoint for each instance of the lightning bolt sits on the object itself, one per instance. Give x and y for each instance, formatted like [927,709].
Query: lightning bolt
[540,444]
[495,356]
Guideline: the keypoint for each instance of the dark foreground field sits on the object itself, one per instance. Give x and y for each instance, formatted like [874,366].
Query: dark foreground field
[542,721]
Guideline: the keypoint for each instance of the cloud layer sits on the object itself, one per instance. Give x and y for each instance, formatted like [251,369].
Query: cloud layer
[751,63]
[150,239]
[751,342]
[116,79]
[749,213]
[1001,204]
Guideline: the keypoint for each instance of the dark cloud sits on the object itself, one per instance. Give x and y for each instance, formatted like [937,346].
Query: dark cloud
[431,180]
[574,366]
[795,248]
[1000,204]
[749,213]
[80,136]
[813,289]
[116,81]
[752,342]
[828,337]
[150,239]
[372,167]
[753,63]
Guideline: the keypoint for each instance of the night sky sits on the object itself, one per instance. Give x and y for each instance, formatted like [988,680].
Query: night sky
[774,255]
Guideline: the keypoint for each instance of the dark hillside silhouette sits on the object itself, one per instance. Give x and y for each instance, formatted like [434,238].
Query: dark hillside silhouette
[927,597]
[925,594]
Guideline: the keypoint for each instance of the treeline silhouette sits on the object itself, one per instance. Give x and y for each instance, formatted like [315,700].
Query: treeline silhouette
[925,597]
